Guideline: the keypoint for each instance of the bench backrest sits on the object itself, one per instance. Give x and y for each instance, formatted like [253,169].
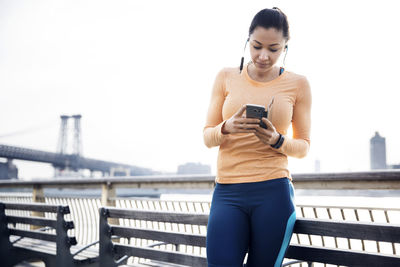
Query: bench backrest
[61,226]
[353,230]
[112,253]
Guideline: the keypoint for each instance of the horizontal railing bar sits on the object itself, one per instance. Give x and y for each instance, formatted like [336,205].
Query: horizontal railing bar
[340,256]
[208,202]
[114,180]
[298,205]
[34,234]
[31,220]
[160,255]
[388,179]
[41,207]
[346,229]
[172,217]
[388,175]
[66,196]
[347,207]
[157,199]
[166,236]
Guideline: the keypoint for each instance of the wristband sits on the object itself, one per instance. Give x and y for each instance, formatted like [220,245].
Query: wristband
[279,143]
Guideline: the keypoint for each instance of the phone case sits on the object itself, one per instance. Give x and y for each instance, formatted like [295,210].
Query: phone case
[257,111]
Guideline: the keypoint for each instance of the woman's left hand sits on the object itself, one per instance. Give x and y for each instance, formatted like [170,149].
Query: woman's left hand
[268,136]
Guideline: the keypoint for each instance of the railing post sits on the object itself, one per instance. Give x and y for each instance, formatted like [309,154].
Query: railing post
[108,194]
[37,197]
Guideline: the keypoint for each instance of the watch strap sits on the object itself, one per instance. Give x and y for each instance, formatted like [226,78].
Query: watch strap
[279,143]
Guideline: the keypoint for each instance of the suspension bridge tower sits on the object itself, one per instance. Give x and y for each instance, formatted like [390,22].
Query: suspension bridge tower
[64,139]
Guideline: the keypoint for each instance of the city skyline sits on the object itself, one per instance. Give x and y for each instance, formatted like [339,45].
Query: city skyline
[143,89]
[377,159]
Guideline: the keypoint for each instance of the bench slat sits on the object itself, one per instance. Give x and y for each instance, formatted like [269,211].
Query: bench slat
[47,247]
[340,257]
[42,207]
[172,217]
[34,234]
[32,220]
[155,254]
[355,230]
[50,248]
[169,237]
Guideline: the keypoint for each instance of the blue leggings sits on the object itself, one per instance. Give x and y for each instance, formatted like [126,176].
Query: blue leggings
[257,218]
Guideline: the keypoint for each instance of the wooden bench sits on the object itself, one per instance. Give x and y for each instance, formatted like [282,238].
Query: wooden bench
[116,254]
[354,230]
[21,243]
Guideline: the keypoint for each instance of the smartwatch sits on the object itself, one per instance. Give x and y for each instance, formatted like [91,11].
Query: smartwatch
[279,143]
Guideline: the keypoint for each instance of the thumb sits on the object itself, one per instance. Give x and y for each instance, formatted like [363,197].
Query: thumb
[268,123]
[240,111]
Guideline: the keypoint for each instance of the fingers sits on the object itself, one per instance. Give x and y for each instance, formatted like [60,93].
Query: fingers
[248,121]
[263,132]
[268,123]
[241,124]
[266,132]
[245,123]
[264,135]
[247,127]
[245,131]
[239,113]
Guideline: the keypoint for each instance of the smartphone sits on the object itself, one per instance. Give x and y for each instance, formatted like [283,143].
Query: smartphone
[256,111]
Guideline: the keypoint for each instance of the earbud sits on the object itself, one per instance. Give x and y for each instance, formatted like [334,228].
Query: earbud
[282,69]
[242,60]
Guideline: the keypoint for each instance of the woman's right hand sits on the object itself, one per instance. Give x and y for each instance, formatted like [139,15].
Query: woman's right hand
[238,123]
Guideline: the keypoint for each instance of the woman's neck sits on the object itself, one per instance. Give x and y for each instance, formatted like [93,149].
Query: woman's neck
[264,76]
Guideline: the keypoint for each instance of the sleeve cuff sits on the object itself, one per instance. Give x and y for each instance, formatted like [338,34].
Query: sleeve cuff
[218,130]
[282,148]
[297,148]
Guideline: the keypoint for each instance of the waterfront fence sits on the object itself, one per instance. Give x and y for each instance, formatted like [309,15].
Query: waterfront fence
[84,210]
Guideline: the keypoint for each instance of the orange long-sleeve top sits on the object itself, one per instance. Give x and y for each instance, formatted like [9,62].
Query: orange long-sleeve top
[242,157]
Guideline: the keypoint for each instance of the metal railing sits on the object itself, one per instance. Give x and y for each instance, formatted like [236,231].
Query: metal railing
[84,213]
[84,210]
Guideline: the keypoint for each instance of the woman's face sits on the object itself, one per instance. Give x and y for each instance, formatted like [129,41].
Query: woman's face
[266,45]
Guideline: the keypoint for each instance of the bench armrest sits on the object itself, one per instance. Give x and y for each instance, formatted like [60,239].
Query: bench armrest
[296,261]
[122,259]
[84,248]
[158,244]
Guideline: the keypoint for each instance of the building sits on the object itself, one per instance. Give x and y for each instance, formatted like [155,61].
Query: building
[8,170]
[194,168]
[394,166]
[317,165]
[378,152]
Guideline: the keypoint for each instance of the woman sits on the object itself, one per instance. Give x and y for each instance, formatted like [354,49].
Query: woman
[252,208]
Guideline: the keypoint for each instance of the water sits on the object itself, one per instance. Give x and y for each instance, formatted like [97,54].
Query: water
[363,198]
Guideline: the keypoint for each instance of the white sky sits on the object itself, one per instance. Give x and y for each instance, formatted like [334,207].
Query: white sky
[141,72]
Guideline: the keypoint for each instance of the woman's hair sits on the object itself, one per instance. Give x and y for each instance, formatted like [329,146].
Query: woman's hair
[271,18]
